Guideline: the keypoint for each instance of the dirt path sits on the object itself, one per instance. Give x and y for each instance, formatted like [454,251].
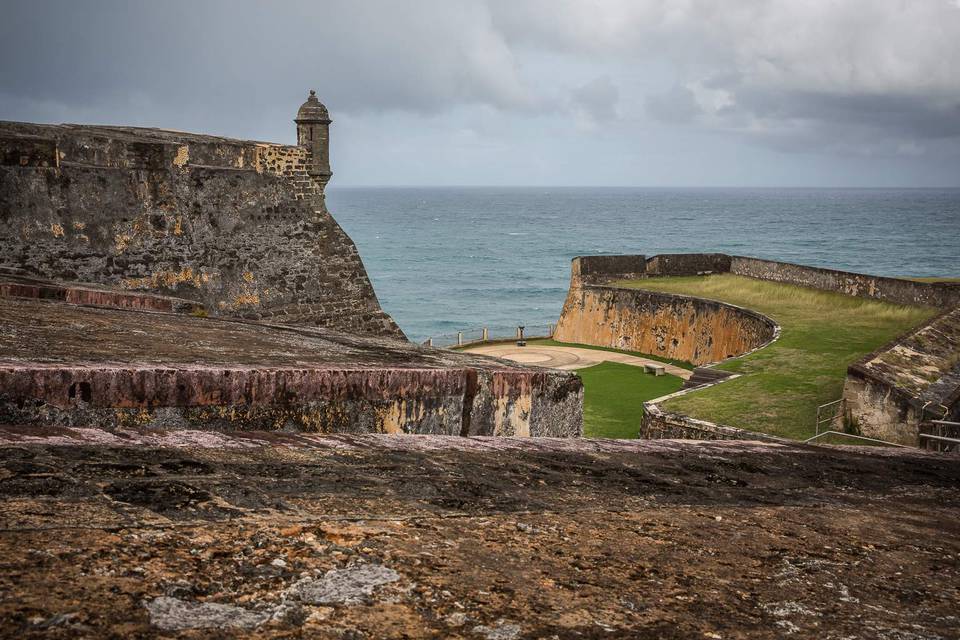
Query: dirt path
[569,357]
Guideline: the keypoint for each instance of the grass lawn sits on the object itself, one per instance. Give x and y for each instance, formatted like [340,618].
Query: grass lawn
[553,343]
[613,397]
[821,334]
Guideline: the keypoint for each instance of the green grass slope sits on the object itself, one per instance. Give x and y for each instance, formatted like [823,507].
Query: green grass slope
[822,333]
[613,397]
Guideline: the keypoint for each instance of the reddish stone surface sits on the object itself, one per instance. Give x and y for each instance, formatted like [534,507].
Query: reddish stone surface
[13,286]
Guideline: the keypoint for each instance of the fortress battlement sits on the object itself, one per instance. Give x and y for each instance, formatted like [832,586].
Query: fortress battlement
[239,226]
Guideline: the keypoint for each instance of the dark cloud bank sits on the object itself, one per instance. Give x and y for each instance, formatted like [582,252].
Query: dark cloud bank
[863,91]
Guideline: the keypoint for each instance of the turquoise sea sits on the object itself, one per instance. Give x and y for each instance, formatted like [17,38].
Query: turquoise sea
[444,259]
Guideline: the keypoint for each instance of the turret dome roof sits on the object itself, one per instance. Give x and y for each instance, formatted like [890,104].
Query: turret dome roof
[312,110]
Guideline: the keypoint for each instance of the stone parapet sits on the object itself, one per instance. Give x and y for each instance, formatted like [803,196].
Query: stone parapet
[70,365]
[687,264]
[14,286]
[594,269]
[896,290]
[658,424]
[606,268]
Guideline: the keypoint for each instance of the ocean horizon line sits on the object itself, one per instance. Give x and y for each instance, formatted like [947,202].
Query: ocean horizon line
[640,187]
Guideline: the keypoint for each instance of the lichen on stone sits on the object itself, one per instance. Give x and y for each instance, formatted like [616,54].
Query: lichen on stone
[350,585]
[173,614]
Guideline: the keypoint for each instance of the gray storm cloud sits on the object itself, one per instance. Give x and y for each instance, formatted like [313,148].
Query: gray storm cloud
[597,99]
[859,76]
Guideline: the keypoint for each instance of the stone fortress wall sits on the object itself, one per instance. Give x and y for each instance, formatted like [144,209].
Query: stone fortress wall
[240,227]
[119,242]
[887,394]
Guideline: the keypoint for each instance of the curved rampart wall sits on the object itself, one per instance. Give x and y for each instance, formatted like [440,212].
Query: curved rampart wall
[671,326]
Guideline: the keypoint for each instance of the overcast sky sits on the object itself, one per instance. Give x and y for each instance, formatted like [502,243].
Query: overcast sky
[520,92]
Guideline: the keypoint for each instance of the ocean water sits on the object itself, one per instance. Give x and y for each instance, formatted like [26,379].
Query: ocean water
[446,259]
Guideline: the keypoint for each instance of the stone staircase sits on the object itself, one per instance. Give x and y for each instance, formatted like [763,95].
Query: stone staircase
[705,375]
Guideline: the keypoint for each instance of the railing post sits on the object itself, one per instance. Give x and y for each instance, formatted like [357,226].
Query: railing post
[486,336]
[459,338]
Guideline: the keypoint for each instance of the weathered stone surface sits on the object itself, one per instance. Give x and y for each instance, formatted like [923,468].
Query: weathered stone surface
[501,630]
[238,226]
[63,364]
[890,392]
[352,585]
[488,537]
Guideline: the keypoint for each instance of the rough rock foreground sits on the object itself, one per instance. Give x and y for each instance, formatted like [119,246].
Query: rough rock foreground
[144,533]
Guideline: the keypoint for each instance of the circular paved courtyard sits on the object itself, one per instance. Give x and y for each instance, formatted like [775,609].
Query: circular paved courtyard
[563,357]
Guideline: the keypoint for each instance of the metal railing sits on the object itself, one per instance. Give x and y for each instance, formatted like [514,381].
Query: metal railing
[831,413]
[481,335]
[935,435]
[946,438]
[856,437]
